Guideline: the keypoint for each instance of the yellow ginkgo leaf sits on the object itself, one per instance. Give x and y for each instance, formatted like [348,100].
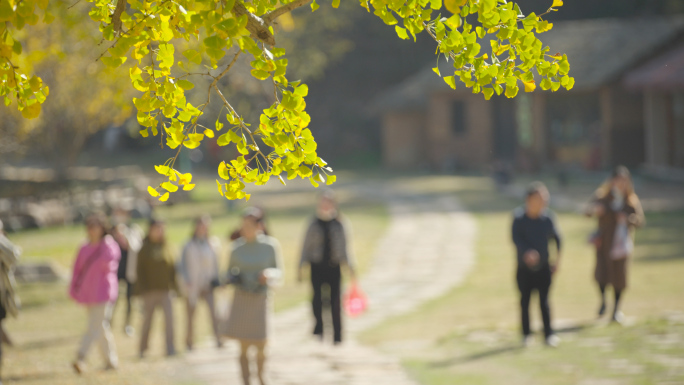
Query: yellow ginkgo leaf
[557,3]
[164,197]
[453,6]
[530,86]
[168,186]
[152,191]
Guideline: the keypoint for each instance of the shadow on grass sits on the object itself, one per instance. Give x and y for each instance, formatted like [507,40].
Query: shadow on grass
[576,328]
[31,377]
[46,343]
[513,349]
[506,349]
[660,258]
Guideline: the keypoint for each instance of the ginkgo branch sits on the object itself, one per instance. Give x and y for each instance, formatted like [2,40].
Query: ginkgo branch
[269,17]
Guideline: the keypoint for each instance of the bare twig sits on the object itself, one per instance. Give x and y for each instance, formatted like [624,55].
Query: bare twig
[212,85]
[74,4]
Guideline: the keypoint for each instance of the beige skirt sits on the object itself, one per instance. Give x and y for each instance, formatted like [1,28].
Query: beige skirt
[249,316]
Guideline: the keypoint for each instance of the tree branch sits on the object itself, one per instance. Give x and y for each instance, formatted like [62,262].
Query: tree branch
[270,16]
[255,25]
[258,26]
[116,16]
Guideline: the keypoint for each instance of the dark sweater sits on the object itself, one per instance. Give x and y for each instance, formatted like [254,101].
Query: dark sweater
[534,234]
[156,270]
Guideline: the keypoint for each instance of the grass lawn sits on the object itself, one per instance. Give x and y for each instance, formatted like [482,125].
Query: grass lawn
[50,325]
[470,335]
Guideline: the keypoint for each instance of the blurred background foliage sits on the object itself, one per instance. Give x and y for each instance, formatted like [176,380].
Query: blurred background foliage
[345,55]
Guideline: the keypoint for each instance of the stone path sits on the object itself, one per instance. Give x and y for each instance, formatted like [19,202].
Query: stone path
[427,249]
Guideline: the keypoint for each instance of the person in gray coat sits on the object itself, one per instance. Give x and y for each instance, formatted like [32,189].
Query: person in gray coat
[327,247]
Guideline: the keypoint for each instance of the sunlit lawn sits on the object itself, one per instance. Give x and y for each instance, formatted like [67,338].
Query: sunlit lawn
[470,336]
[49,328]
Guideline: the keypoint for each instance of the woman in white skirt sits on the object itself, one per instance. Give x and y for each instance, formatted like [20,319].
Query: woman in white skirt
[255,266]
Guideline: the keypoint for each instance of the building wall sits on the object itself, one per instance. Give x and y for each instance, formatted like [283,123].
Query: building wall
[627,131]
[471,148]
[656,120]
[664,129]
[678,129]
[402,139]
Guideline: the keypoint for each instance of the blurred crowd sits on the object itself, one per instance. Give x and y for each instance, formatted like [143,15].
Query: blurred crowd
[119,255]
[118,252]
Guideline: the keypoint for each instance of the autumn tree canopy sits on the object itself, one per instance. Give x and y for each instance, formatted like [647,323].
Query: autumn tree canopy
[166,46]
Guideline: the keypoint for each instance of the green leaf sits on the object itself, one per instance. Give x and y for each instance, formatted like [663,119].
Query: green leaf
[6,11]
[214,42]
[185,84]
[32,110]
[335,3]
[193,56]
[401,32]
[451,81]
[488,92]
[260,74]
[165,55]
[16,47]
[113,62]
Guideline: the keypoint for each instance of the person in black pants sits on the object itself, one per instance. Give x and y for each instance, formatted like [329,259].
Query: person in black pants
[533,227]
[129,240]
[326,249]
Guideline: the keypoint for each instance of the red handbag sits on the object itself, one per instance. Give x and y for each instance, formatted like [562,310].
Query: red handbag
[355,301]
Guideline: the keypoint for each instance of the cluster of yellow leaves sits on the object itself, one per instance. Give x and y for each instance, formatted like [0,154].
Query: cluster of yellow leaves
[516,52]
[28,91]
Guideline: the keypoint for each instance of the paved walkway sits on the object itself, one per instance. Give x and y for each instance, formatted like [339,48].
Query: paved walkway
[427,249]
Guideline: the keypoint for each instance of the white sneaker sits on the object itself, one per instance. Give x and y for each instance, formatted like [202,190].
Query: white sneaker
[552,341]
[527,341]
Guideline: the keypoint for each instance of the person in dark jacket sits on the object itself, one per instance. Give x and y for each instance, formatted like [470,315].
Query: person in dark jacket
[326,249]
[155,283]
[533,226]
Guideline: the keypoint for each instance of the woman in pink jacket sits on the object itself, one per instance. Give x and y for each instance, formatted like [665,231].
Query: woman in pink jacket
[94,285]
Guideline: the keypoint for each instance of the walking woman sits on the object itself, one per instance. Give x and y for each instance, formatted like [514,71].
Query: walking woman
[199,268]
[9,303]
[94,285]
[255,267]
[155,283]
[326,248]
[619,212]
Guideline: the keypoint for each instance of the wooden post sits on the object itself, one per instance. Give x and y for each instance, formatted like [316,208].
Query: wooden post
[607,122]
[540,128]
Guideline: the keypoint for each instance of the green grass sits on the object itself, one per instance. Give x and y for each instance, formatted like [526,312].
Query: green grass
[50,325]
[470,335]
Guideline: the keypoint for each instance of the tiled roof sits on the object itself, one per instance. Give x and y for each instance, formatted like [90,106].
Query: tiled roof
[664,72]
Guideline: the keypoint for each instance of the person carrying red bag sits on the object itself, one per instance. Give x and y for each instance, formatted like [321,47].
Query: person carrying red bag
[327,246]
